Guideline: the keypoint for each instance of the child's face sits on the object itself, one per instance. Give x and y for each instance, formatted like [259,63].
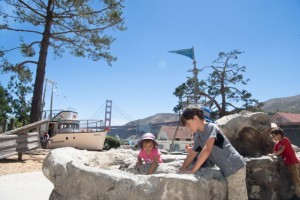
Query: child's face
[276,137]
[148,146]
[192,124]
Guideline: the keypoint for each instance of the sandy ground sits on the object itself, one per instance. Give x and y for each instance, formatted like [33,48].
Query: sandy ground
[31,161]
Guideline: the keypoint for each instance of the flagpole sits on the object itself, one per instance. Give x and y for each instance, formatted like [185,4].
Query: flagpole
[195,72]
[190,53]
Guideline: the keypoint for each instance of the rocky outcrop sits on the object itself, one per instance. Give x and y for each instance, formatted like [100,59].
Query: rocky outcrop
[248,132]
[267,179]
[78,174]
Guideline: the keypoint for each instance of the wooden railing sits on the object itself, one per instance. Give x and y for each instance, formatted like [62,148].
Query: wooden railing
[20,140]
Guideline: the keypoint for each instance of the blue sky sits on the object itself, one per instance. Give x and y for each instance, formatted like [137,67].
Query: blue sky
[142,81]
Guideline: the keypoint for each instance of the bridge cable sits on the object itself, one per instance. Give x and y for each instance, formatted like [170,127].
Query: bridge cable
[97,113]
[122,112]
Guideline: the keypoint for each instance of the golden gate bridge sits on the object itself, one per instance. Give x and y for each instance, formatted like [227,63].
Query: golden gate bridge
[136,128]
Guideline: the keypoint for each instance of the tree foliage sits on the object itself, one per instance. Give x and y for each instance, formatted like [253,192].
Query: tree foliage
[185,93]
[20,86]
[221,90]
[58,25]
[13,97]
[5,108]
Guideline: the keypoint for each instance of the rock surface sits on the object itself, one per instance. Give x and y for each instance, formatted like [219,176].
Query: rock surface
[248,132]
[78,174]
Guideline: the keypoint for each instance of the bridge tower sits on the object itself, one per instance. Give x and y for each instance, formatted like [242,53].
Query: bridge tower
[108,108]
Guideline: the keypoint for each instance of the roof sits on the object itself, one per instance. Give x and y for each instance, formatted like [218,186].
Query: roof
[281,118]
[182,132]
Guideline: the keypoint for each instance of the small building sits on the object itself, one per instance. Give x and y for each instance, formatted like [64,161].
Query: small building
[290,123]
[180,136]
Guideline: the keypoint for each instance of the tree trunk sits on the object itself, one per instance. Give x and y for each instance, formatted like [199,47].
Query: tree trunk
[213,100]
[223,91]
[36,104]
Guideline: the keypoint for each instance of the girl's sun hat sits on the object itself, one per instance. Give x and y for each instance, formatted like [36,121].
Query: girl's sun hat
[147,136]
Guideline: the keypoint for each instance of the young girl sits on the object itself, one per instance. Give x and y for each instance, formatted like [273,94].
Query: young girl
[283,148]
[149,153]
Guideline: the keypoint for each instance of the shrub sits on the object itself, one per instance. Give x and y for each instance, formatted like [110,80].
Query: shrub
[111,142]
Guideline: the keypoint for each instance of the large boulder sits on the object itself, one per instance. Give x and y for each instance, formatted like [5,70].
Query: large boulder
[267,178]
[248,132]
[88,175]
[79,174]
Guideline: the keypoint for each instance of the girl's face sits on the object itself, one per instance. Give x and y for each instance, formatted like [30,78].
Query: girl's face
[148,146]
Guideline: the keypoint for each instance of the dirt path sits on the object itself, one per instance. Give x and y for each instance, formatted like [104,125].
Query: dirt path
[31,161]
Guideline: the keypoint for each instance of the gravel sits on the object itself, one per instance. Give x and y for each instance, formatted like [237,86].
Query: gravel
[31,161]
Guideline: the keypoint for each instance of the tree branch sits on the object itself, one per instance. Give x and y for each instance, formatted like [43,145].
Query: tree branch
[31,44]
[85,30]
[27,61]
[30,8]
[19,30]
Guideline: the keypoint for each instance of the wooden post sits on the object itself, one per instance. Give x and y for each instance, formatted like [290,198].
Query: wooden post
[20,156]
[4,124]
[11,124]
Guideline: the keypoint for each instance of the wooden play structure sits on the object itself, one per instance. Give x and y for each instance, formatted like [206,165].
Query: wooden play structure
[20,140]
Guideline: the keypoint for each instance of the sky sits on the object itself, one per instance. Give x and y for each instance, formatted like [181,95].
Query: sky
[142,80]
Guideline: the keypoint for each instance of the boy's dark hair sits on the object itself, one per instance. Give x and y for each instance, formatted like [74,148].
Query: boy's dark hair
[189,113]
[277,131]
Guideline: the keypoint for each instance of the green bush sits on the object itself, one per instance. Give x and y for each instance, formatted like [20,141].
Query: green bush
[111,142]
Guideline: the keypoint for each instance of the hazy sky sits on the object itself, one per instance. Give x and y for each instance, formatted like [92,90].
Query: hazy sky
[142,81]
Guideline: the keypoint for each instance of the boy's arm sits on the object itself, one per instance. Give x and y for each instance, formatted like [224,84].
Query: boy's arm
[188,160]
[276,153]
[204,154]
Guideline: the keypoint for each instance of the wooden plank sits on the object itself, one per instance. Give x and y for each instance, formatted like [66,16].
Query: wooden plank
[13,144]
[20,145]
[19,149]
[7,154]
[19,140]
[17,144]
[26,128]
[13,140]
[18,136]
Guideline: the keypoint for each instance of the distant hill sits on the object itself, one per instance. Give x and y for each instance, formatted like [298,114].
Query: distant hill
[158,118]
[144,125]
[285,104]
